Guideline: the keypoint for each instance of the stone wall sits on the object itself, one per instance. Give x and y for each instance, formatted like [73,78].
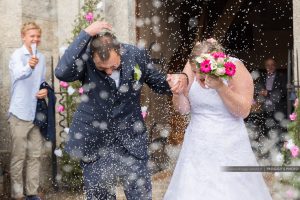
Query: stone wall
[10,20]
[296,33]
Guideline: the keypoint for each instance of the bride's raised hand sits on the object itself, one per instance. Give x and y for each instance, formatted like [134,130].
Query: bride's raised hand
[201,80]
[213,82]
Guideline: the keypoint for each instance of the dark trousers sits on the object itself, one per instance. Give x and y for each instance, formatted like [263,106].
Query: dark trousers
[116,164]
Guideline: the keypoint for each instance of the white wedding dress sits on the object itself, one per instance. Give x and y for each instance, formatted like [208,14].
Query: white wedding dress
[214,138]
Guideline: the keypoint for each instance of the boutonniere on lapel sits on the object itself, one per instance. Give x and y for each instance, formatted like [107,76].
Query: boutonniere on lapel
[137,76]
[137,72]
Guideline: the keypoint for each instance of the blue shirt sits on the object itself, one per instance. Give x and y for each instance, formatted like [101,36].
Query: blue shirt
[25,83]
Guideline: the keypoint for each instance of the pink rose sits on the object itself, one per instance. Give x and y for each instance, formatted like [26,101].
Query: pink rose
[229,68]
[63,84]
[217,55]
[205,66]
[293,116]
[60,108]
[89,17]
[296,103]
[80,90]
[294,151]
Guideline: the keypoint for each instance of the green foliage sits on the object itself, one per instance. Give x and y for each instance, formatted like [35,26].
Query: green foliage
[72,174]
[80,21]
[294,133]
[294,128]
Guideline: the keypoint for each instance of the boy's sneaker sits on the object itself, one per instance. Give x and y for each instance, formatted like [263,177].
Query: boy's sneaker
[33,197]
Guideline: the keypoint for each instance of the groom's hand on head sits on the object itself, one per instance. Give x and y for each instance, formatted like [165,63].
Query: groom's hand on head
[97,27]
[177,82]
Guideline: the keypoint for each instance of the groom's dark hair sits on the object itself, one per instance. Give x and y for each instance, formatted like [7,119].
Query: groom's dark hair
[103,43]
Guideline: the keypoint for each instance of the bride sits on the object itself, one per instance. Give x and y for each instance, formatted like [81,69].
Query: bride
[215,137]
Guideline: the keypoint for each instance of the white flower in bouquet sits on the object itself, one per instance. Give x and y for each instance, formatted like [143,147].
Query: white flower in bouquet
[207,56]
[214,64]
[221,60]
[199,59]
[220,71]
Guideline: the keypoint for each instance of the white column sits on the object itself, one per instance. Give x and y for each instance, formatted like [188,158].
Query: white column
[296,33]
[121,14]
[67,11]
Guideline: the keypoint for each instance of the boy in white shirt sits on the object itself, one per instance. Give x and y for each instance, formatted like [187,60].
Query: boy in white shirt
[27,68]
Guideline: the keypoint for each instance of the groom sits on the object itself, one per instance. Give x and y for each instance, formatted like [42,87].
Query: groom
[108,133]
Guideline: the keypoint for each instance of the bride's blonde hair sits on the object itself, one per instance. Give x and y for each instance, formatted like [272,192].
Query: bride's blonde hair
[205,46]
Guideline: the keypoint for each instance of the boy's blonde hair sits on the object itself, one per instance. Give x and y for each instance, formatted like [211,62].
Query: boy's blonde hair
[29,26]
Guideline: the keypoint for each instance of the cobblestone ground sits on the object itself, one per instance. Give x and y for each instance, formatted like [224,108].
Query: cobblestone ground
[160,183]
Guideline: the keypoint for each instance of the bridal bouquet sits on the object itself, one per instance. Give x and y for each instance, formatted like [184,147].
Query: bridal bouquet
[216,63]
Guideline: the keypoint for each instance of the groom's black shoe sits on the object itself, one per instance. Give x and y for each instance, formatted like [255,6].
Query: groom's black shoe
[33,197]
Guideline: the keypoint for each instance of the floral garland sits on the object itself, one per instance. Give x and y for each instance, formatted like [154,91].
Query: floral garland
[290,157]
[291,147]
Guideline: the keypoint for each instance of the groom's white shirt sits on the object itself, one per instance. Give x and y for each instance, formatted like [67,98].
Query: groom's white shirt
[116,76]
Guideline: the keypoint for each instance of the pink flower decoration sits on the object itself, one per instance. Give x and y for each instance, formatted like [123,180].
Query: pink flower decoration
[229,68]
[217,55]
[294,151]
[205,66]
[80,90]
[89,17]
[60,108]
[144,114]
[290,194]
[296,103]
[63,84]
[293,116]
